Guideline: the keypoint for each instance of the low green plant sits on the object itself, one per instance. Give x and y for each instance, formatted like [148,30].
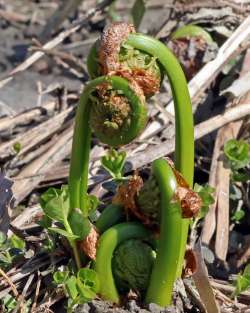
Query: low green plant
[64,221]
[238,216]
[206,194]
[237,154]
[237,158]
[114,162]
[242,282]
[10,250]
[79,288]
[9,303]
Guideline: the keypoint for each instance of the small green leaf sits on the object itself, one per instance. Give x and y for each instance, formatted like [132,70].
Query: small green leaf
[243,281]
[55,203]
[86,293]
[45,222]
[79,224]
[238,215]
[17,147]
[9,303]
[71,287]
[92,203]
[16,242]
[206,194]
[6,258]
[48,195]
[237,153]
[89,278]
[241,175]
[2,238]
[63,233]
[138,10]
[114,162]
[60,277]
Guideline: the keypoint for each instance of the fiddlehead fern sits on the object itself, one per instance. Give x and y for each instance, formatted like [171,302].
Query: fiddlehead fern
[82,133]
[118,95]
[191,30]
[107,245]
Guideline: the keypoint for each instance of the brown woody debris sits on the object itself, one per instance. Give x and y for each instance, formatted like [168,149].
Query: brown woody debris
[89,244]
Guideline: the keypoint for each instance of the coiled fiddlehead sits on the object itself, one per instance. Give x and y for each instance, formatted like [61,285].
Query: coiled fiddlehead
[121,79]
[82,134]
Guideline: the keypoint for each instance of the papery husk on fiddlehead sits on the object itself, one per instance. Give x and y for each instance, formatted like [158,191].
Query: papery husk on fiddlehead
[117,58]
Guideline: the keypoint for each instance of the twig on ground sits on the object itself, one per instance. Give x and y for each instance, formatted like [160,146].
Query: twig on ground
[14,290]
[54,42]
[151,153]
[216,180]
[36,293]
[202,283]
[61,148]
[36,135]
[27,116]
[222,225]
[11,16]
[63,11]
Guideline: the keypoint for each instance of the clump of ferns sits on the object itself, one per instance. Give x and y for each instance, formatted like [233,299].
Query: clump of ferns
[139,240]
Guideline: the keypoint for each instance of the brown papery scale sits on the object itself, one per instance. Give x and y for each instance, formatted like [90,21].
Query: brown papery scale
[89,244]
[140,199]
[190,263]
[112,38]
[126,196]
[190,202]
[117,58]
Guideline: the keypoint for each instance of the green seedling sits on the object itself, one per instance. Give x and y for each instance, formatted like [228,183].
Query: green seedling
[73,223]
[242,282]
[237,154]
[79,288]
[113,162]
[10,250]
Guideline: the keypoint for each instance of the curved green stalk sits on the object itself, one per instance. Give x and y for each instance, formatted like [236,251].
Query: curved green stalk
[191,31]
[108,242]
[92,61]
[184,131]
[73,245]
[78,176]
[111,215]
[169,246]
